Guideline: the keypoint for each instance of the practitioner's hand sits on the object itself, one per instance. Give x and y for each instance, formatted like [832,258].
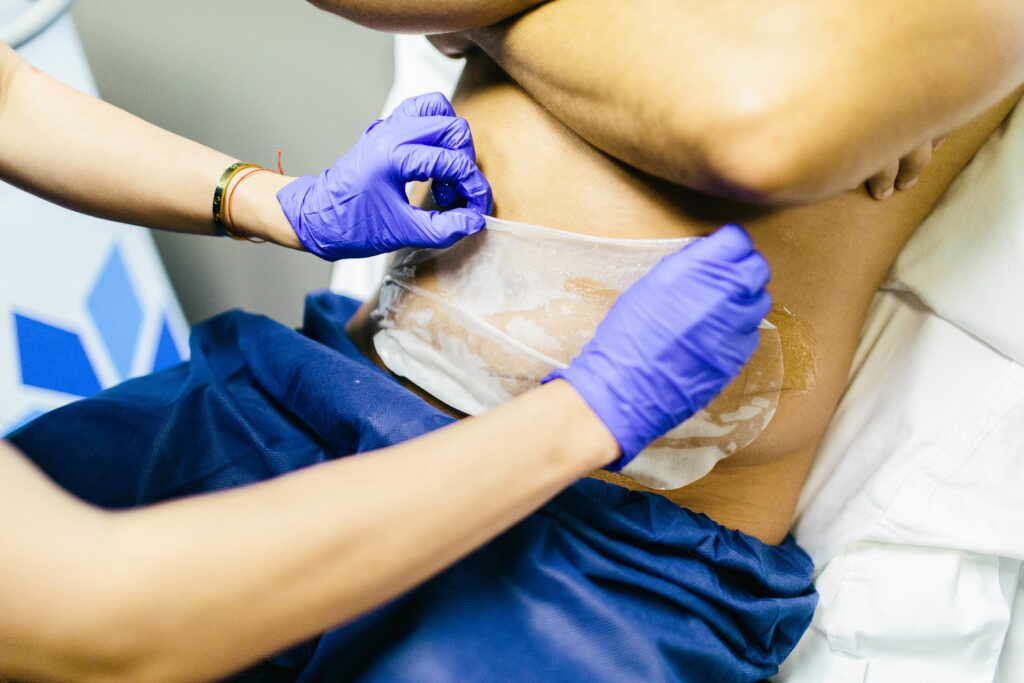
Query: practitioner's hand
[674,339]
[359,207]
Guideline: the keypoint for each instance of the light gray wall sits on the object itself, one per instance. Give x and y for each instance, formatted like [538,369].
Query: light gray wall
[247,77]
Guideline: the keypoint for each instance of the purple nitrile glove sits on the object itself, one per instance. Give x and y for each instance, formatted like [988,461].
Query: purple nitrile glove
[674,339]
[359,207]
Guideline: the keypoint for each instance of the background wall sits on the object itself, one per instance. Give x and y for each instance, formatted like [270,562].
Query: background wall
[247,77]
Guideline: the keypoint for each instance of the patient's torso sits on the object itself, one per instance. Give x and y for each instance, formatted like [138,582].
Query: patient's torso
[827,260]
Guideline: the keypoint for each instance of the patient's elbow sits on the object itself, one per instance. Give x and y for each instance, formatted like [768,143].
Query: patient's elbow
[765,148]
[766,164]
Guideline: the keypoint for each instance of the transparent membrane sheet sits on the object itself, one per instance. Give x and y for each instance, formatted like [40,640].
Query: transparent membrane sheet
[487,319]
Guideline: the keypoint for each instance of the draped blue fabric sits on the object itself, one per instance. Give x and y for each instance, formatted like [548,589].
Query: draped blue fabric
[601,584]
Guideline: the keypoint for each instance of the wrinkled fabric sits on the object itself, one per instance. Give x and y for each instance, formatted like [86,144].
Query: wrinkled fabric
[917,510]
[912,506]
[600,584]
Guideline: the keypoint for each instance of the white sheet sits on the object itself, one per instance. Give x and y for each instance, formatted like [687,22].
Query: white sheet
[913,510]
[967,259]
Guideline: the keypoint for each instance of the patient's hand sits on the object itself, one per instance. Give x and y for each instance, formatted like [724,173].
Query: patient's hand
[903,173]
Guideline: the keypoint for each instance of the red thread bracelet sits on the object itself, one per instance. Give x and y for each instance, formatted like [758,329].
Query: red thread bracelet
[229,225]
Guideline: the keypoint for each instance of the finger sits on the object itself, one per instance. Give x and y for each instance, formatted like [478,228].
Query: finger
[456,135]
[881,184]
[750,274]
[741,314]
[450,132]
[443,229]
[912,165]
[937,142]
[755,309]
[420,162]
[429,104]
[456,224]
[728,243]
[743,345]
[727,352]
[743,278]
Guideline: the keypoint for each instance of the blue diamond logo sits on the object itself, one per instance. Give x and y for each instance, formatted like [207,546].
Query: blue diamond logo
[117,313]
[53,358]
[167,355]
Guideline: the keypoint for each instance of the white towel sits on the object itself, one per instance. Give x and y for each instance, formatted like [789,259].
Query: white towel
[966,261]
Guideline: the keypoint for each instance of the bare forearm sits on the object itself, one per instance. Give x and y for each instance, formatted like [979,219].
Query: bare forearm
[772,102]
[83,153]
[425,16]
[208,585]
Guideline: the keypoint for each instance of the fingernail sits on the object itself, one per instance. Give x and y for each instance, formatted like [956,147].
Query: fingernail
[907,185]
[882,195]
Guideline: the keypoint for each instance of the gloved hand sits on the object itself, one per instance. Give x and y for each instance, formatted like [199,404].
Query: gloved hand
[674,339]
[359,207]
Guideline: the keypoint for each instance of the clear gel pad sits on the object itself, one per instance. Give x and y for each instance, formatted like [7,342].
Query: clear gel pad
[483,321]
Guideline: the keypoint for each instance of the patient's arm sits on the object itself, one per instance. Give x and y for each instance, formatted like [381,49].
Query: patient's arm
[774,102]
[425,16]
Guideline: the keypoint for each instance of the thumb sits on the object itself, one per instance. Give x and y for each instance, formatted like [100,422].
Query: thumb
[729,243]
[448,227]
[429,104]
